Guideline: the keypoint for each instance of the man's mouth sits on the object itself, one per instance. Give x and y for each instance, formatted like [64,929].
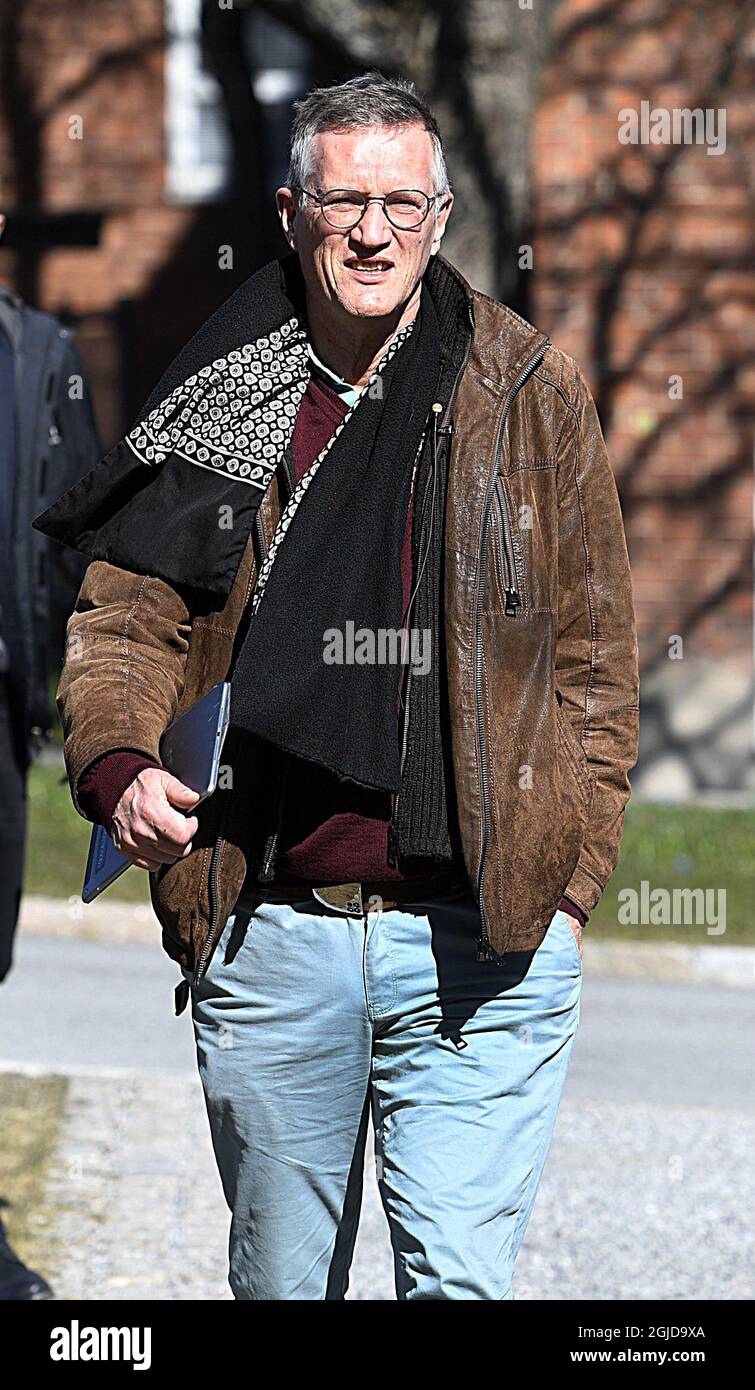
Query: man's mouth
[371,268]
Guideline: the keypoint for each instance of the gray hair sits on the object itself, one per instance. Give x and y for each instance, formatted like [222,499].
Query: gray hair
[368,100]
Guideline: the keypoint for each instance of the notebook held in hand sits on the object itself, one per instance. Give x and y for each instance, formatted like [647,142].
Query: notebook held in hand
[190,749]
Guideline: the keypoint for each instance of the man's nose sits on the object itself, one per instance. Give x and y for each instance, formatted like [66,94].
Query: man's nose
[374,228]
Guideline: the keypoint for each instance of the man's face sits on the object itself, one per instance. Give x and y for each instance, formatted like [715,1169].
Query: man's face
[335,264]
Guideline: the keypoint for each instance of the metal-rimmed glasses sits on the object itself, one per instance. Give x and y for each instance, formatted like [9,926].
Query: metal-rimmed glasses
[344,208]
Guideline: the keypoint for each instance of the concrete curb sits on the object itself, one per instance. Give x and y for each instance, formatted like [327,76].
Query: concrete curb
[732,966]
[108,919]
[116,921]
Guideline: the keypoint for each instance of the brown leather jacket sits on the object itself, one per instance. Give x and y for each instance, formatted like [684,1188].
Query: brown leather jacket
[540,643]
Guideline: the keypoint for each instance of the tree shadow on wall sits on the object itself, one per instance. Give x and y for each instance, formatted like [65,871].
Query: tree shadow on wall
[636,191]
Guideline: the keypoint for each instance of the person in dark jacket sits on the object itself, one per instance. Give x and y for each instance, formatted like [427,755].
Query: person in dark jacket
[48,440]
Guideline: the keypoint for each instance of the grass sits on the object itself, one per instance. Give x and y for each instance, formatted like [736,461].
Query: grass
[678,847]
[666,846]
[32,1109]
[58,842]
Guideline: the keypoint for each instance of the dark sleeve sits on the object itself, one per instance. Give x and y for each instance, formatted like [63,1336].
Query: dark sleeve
[101,787]
[79,450]
[76,451]
[566,905]
[76,422]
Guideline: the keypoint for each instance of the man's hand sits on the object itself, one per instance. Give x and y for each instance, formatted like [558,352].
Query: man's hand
[146,829]
[577,928]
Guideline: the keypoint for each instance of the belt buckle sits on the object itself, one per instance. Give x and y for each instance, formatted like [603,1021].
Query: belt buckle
[343,897]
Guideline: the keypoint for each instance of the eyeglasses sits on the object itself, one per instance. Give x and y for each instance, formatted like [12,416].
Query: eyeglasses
[344,208]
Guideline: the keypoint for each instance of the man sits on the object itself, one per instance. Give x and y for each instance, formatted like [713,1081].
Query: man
[47,440]
[382,908]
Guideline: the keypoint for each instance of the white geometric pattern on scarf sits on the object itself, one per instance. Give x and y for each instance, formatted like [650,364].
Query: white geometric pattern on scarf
[236,415]
[289,510]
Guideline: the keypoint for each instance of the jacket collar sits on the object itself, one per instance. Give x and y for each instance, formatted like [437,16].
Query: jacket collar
[503,342]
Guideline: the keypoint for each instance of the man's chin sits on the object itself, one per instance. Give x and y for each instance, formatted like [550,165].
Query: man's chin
[371,305]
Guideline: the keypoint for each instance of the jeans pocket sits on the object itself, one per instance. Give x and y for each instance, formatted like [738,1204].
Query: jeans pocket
[560,919]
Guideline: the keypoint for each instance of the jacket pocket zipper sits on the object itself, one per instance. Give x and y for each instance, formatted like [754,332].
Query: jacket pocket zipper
[505,554]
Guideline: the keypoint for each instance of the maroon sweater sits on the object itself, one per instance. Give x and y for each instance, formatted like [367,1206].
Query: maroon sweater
[331,831]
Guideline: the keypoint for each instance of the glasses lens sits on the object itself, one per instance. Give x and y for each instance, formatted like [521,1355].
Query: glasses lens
[406,207]
[342,207]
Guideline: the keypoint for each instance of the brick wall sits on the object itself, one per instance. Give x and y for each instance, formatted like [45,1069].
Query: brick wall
[643,271]
[96,69]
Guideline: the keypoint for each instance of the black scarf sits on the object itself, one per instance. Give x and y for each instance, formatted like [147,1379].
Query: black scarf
[333,573]
[177,498]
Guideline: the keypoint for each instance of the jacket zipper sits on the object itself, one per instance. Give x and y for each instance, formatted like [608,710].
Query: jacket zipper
[392,838]
[212,886]
[484,949]
[271,844]
[260,534]
[511,586]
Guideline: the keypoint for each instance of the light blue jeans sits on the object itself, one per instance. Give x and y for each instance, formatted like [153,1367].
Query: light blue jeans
[306,1019]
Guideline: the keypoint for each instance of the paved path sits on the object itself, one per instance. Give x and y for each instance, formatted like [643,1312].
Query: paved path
[638,1201]
[648,1192]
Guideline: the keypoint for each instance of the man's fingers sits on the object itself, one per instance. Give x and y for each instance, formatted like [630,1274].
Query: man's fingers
[178,794]
[139,860]
[149,856]
[146,860]
[163,826]
[149,845]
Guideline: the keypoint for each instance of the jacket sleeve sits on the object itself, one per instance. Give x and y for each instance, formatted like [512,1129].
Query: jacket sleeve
[123,674]
[75,415]
[80,448]
[73,450]
[596,649]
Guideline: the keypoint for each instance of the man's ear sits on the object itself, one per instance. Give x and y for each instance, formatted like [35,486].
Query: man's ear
[285,201]
[440,221]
